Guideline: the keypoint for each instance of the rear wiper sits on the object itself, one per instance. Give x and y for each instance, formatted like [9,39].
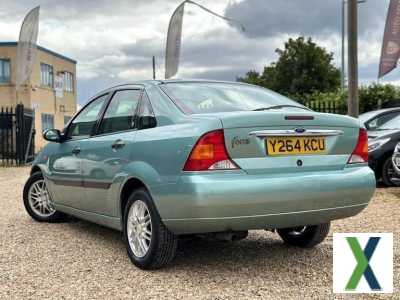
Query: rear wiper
[279,106]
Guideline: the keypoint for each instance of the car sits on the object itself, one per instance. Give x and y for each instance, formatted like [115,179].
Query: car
[201,158]
[382,142]
[396,159]
[374,119]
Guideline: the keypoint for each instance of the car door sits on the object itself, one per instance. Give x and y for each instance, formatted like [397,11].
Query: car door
[65,166]
[105,155]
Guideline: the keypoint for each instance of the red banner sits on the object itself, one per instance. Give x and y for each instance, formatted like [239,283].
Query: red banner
[391,40]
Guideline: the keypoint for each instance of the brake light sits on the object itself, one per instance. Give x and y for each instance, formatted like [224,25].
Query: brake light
[360,153]
[210,153]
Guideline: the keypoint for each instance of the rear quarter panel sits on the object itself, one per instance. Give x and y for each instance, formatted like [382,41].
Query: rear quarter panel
[159,154]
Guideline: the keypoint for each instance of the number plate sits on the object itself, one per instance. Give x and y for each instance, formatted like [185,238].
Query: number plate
[295,145]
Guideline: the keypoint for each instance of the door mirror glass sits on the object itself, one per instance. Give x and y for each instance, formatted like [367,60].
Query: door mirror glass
[52,135]
[146,122]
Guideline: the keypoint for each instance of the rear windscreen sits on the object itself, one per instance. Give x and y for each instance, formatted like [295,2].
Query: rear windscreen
[198,98]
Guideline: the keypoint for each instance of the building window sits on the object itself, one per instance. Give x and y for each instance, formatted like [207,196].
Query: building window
[47,122]
[46,75]
[68,82]
[67,119]
[5,71]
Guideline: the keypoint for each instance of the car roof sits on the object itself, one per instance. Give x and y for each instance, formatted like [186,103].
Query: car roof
[375,113]
[155,82]
[383,110]
[158,82]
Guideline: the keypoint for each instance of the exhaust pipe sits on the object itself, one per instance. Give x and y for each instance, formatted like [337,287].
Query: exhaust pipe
[230,236]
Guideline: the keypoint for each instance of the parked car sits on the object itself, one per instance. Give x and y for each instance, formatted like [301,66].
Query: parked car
[396,160]
[201,158]
[382,142]
[374,119]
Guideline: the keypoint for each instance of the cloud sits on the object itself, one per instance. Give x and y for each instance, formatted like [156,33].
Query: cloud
[114,41]
[304,17]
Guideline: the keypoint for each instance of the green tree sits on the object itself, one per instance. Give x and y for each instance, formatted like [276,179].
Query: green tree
[371,97]
[378,95]
[302,68]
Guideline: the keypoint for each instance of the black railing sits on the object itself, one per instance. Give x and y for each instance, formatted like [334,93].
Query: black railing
[17,132]
[332,107]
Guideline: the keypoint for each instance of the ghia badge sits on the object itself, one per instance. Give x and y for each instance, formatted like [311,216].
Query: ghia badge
[237,141]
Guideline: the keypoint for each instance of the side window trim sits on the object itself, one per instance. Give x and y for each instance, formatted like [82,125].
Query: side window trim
[148,101]
[144,98]
[105,104]
[103,112]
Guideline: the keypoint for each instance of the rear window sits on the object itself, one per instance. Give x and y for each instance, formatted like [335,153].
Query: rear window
[392,124]
[201,98]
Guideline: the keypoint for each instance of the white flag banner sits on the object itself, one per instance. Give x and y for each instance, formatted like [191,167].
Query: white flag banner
[26,51]
[174,38]
[174,42]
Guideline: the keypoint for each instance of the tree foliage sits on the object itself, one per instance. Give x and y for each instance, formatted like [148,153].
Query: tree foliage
[302,68]
[371,97]
[375,95]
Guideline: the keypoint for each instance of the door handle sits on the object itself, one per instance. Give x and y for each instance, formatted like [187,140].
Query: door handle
[118,144]
[76,151]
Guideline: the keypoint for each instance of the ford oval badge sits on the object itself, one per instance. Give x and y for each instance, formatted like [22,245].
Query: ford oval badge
[300,130]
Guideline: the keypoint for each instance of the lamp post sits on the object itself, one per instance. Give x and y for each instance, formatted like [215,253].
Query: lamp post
[352,16]
[343,68]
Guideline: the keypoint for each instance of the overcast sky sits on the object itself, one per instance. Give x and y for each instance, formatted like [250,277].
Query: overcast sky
[113,41]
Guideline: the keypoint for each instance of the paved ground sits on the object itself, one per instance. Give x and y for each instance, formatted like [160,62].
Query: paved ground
[81,260]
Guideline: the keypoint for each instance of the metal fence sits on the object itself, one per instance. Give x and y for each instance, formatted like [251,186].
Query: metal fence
[332,107]
[17,132]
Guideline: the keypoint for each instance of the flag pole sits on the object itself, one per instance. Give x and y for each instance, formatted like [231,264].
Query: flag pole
[154,67]
[16,96]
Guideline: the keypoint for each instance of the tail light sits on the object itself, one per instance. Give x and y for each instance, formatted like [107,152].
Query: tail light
[210,153]
[360,153]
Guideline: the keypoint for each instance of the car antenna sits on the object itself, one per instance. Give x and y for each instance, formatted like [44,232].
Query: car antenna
[154,67]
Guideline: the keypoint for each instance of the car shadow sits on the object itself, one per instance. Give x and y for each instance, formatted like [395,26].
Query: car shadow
[260,248]
[261,253]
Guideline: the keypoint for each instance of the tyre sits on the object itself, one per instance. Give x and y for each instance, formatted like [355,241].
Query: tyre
[304,236]
[389,176]
[37,200]
[150,245]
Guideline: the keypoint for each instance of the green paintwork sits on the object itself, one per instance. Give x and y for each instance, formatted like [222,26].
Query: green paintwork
[267,192]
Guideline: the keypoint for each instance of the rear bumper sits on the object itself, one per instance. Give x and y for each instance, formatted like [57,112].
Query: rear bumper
[238,201]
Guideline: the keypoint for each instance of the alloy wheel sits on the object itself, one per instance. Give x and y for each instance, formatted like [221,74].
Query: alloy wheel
[139,228]
[298,230]
[393,177]
[39,199]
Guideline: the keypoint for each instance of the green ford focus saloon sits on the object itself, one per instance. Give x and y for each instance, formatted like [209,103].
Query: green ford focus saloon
[164,160]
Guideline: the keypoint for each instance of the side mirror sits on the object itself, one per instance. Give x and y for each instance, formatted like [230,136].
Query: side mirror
[146,122]
[52,135]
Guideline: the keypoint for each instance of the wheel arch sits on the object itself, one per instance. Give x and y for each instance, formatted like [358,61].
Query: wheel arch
[127,189]
[35,169]
[382,161]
